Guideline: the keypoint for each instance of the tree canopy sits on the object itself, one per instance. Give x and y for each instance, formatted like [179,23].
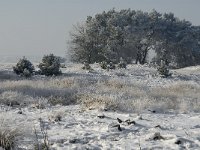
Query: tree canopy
[129,34]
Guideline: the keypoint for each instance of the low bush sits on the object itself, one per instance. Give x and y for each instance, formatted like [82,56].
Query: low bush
[163,70]
[103,64]
[87,66]
[24,68]
[122,64]
[111,66]
[7,138]
[50,65]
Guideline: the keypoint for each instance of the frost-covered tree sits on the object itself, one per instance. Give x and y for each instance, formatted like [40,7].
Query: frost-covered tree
[130,34]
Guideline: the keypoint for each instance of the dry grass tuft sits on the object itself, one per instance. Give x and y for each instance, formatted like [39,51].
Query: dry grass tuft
[92,101]
[8,138]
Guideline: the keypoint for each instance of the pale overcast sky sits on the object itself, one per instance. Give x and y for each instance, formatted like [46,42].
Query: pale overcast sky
[37,27]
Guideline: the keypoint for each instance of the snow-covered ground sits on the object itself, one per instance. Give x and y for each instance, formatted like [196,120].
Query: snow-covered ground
[78,129]
[121,109]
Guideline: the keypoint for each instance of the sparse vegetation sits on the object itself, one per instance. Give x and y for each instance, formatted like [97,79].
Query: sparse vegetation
[108,92]
[10,131]
[40,92]
[45,141]
[8,138]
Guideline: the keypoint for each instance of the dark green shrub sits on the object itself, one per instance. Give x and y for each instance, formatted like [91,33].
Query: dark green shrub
[24,68]
[163,70]
[122,64]
[111,66]
[104,65]
[50,65]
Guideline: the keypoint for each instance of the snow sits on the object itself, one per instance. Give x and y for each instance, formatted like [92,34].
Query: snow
[84,130]
[80,127]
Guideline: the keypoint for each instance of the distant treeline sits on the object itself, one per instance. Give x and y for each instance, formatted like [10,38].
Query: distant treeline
[130,34]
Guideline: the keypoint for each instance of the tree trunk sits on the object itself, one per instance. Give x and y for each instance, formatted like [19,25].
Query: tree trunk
[138,57]
[144,56]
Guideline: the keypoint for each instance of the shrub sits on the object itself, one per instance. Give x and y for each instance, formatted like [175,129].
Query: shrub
[50,65]
[163,70]
[103,65]
[87,66]
[24,68]
[7,138]
[111,66]
[122,64]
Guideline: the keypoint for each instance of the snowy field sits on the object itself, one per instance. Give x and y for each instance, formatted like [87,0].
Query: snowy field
[118,109]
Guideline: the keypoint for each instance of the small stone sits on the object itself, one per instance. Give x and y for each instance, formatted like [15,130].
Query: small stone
[58,118]
[19,112]
[119,120]
[178,142]
[101,116]
[105,109]
[118,127]
[157,136]
[73,141]
[131,122]
[153,111]
[128,120]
